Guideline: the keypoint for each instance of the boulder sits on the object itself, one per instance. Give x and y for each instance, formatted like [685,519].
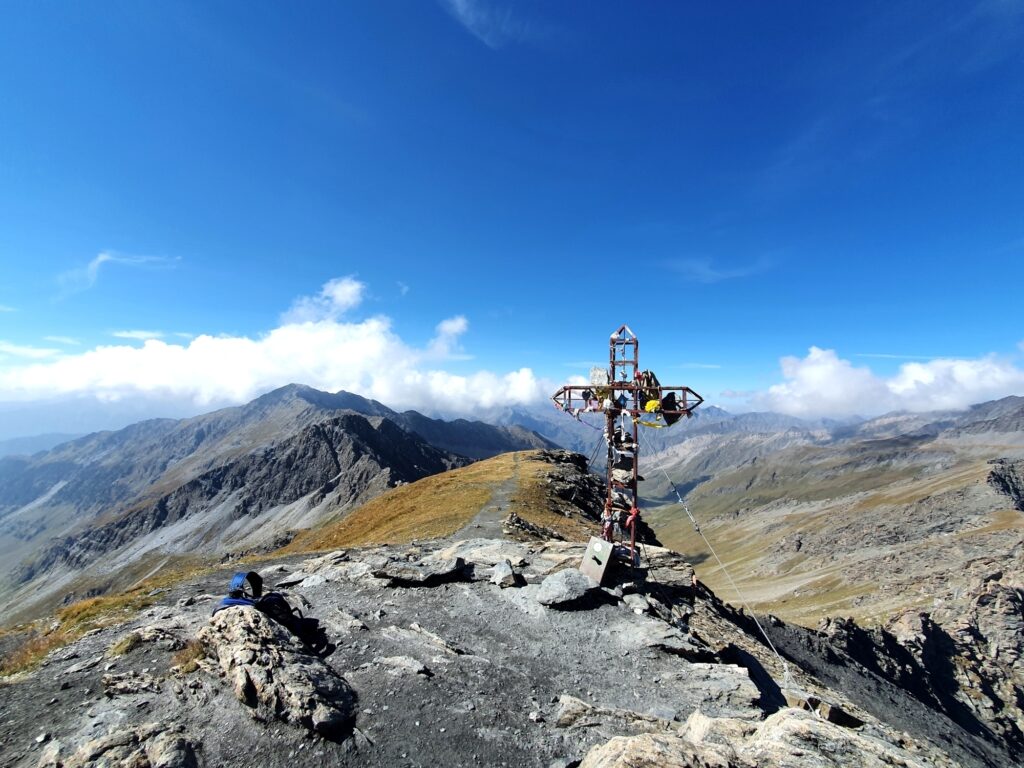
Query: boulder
[565,589]
[275,675]
[504,575]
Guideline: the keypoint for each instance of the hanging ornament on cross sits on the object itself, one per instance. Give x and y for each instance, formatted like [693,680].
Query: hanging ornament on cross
[629,398]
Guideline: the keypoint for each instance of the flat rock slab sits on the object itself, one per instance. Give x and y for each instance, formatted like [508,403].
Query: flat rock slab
[488,552]
[276,676]
[429,572]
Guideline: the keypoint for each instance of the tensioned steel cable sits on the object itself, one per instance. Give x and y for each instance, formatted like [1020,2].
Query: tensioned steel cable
[696,527]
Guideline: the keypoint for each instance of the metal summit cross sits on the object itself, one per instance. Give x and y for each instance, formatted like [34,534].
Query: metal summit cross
[629,398]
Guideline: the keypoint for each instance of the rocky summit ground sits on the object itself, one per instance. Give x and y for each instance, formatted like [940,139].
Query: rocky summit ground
[485,645]
[469,652]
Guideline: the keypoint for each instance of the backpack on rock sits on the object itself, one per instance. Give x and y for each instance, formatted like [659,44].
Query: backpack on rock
[246,590]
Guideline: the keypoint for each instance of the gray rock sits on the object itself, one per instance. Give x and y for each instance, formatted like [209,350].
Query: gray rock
[649,632]
[636,603]
[488,552]
[565,588]
[154,745]
[274,674]
[130,683]
[504,575]
[402,665]
[81,666]
[428,572]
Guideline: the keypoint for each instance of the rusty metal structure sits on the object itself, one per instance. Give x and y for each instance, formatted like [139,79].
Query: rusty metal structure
[629,398]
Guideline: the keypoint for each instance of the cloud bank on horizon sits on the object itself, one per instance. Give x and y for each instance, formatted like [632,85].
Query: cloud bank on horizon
[317,344]
[314,344]
[823,384]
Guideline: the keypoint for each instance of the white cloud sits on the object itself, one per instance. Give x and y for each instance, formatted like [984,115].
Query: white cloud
[823,384]
[67,340]
[33,353]
[336,297]
[488,22]
[5,308]
[138,335]
[445,344]
[364,356]
[403,288]
[84,278]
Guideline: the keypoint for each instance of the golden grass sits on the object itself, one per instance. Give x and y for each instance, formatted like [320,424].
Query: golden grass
[441,505]
[187,659]
[433,507]
[126,644]
[535,504]
[1003,520]
[73,621]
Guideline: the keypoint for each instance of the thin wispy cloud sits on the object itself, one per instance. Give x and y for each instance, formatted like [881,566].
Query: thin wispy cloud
[84,278]
[138,335]
[403,289]
[66,340]
[704,270]
[31,353]
[5,308]
[491,23]
[868,110]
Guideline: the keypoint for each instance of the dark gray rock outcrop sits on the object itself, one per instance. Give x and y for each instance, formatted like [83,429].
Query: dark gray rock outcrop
[1007,477]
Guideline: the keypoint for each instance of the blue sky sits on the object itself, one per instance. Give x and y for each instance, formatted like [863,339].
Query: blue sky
[497,186]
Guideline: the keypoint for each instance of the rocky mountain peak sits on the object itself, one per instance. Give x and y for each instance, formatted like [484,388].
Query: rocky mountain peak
[461,651]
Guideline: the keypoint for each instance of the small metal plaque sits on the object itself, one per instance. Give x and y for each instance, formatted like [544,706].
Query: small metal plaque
[595,560]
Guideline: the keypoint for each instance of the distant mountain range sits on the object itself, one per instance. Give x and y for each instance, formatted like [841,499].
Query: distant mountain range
[100,508]
[864,519]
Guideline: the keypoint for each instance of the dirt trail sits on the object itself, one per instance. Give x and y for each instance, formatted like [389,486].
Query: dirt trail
[487,523]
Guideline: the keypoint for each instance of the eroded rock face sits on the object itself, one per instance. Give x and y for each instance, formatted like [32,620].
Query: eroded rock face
[153,745]
[790,738]
[276,676]
[963,659]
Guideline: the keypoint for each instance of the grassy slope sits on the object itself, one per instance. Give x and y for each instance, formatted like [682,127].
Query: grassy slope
[442,504]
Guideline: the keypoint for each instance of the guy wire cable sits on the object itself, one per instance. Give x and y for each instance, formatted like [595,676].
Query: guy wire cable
[696,527]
